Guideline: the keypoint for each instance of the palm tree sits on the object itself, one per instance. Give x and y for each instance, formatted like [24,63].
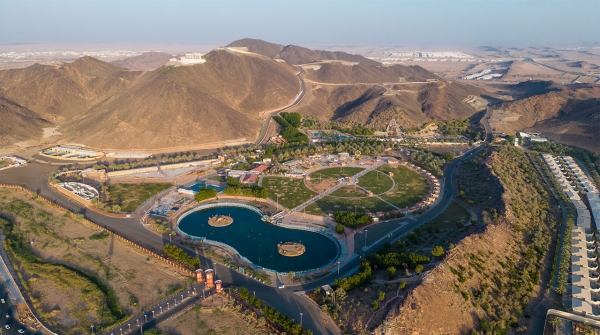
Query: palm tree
[556,322]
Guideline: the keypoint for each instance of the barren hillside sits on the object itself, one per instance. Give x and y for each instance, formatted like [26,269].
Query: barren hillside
[339,73]
[293,54]
[568,115]
[19,123]
[103,106]
[411,105]
[147,61]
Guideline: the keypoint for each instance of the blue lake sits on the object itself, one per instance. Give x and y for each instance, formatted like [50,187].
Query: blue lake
[257,240]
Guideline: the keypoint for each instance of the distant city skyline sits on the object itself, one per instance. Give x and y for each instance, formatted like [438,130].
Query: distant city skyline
[339,23]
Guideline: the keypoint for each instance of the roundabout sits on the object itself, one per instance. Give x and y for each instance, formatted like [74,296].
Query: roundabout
[258,242]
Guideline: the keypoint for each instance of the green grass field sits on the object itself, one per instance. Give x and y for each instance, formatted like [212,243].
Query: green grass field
[448,218]
[335,172]
[291,191]
[4,163]
[349,192]
[410,187]
[131,196]
[347,204]
[376,182]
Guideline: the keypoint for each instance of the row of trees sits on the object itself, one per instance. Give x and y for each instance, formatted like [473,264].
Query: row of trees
[289,132]
[362,277]
[205,193]
[352,220]
[176,253]
[428,161]
[286,323]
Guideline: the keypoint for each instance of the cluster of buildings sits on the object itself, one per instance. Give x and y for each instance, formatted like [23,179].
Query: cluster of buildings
[188,59]
[532,137]
[276,140]
[34,56]
[247,177]
[483,75]
[585,286]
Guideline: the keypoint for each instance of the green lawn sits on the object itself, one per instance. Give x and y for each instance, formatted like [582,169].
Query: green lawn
[335,172]
[350,192]
[347,204]
[131,196]
[291,191]
[448,218]
[376,182]
[410,187]
[4,163]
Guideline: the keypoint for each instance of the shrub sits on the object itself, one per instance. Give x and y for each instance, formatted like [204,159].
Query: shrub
[100,236]
[178,254]
[339,228]
[205,193]
[419,269]
[437,251]
[375,305]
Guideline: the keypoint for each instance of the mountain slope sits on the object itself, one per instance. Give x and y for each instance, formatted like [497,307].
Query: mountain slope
[58,93]
[103,106]
[338,73]
[411,105]
[293,54]
[147,61]
[568,115]
[19,123]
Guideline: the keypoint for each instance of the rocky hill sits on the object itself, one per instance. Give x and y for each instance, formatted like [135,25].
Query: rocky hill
[491,281]
[566,114]
[19,123]
[339,73]
[101,105]
[411,105]
[147,61]
[293,54]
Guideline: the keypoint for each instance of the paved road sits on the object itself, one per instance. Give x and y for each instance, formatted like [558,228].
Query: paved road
[265,127]
[34,177]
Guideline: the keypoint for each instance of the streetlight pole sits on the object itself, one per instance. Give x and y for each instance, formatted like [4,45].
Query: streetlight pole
[92,326]
[338,264]
[366,234]
[301,319]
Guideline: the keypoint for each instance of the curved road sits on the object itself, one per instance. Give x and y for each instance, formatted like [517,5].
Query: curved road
[265,127]
[34,177]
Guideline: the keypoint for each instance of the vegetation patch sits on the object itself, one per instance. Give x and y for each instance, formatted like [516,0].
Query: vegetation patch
[130,196]
[410,186]
[335,172]
[288,192]
[334,204]
[376,181]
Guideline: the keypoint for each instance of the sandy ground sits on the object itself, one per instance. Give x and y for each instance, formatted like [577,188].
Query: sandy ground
[321,185]
[131,274]
[216,315]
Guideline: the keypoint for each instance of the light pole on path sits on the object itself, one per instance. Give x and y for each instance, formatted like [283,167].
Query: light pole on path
[366,233]
[338,264]
[301,319]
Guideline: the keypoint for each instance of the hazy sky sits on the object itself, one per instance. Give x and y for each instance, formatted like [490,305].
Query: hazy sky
[324,22]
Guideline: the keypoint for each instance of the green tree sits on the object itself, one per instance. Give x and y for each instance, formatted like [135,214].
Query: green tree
[437,251]
[381,296]
[391,272]
[419,269]
[402,285]
[339,228]
[205,193]
[375,305]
